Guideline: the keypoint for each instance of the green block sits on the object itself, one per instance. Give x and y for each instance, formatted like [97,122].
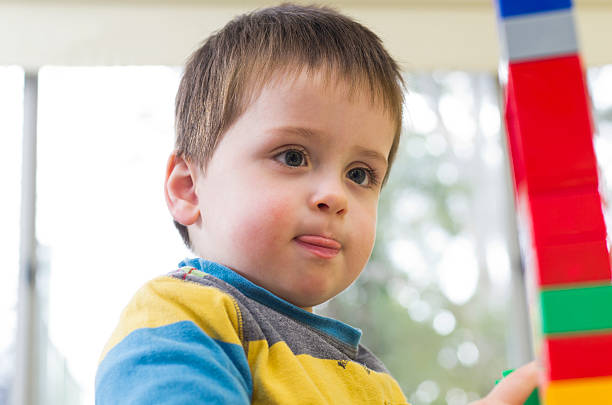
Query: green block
[533,399]
[576,309]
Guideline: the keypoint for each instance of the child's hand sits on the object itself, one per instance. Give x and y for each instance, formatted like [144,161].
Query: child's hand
[514,389]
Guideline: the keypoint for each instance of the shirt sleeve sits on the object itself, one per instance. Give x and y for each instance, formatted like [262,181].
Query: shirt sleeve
[180,361]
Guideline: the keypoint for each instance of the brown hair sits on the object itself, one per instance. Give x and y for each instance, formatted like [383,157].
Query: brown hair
[223,76]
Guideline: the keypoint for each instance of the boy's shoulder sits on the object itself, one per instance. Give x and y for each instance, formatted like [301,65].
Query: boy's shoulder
[184,328]
[178,298]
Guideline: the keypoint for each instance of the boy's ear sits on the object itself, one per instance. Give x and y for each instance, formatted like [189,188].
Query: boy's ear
[180,190]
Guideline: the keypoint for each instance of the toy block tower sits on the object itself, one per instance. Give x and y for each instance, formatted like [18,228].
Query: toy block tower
[563,234]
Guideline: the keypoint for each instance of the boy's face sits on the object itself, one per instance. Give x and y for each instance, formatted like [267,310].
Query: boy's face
[289,198]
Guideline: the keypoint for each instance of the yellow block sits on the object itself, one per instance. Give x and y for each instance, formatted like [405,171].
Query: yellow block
[591,391]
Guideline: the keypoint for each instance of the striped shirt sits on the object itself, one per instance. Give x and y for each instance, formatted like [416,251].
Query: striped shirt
[206,335]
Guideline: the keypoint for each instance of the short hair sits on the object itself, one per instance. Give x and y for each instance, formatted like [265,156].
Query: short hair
[232,66]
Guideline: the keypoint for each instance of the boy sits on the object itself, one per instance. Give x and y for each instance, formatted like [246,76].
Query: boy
[287,120]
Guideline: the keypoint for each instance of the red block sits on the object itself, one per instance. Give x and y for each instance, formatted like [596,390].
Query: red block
[514,138]
[563,217]
[577,356]
[572,263]
[549,125]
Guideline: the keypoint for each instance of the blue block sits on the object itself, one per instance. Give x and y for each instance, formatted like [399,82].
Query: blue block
[511,8]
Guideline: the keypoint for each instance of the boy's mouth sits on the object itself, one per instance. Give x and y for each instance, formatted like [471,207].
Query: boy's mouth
[321,246]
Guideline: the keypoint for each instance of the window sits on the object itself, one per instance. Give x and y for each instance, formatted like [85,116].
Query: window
[11,106]
[105,134]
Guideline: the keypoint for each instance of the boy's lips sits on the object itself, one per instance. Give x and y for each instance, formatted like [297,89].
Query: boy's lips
[321,246]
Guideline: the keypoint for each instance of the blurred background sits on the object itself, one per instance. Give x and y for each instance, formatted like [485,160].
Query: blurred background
[86,124]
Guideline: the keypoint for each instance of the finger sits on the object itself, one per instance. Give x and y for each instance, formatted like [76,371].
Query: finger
[517,386]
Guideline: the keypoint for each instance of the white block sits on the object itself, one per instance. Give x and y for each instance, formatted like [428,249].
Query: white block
[538,36]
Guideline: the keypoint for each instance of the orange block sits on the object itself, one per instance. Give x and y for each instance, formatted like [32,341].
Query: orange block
[591,391]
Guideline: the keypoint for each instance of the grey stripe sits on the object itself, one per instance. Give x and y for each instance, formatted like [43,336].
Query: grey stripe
[538,35]
[368,359]
[263,323]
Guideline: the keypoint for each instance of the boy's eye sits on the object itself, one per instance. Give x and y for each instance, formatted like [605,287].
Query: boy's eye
[358,175]
[364,176]
[292,157]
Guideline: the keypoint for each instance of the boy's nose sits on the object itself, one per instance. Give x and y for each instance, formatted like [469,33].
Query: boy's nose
[330,199]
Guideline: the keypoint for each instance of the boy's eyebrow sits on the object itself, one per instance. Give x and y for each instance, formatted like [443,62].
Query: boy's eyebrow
[372,154]
[310,133]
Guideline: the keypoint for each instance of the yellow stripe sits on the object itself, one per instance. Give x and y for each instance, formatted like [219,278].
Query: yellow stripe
[579,391]
[167,300]
[282,377]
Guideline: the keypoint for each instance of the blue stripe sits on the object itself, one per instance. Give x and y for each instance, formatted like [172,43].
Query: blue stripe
[510,8]
[173,364]
[332,327]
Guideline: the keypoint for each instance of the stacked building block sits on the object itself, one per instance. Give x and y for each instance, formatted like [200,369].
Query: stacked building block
[563,234]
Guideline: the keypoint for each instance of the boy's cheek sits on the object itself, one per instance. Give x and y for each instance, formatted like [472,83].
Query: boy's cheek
[364,235]
[366,243]
[264,223]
